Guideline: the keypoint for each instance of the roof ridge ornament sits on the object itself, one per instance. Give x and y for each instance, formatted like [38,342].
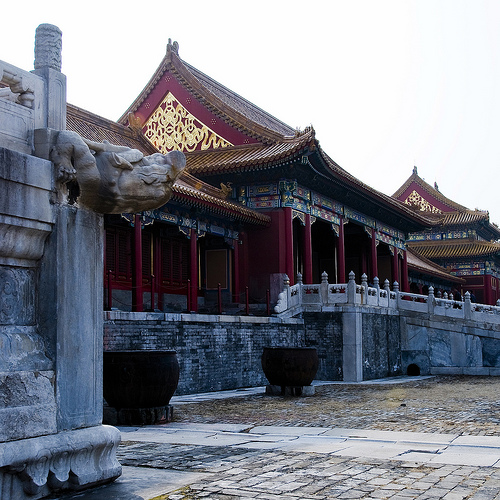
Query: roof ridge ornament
[134,122]
[172,47]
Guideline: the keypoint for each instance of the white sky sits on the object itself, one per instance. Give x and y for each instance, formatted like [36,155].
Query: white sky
[386,84]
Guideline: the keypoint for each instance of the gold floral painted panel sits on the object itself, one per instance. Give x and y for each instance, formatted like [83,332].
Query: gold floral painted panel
[173,127]
[416,200]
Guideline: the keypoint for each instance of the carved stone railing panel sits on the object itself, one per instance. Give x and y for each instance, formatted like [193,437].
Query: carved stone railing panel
[21,83]
[311,294]
[337,293]
[19,116]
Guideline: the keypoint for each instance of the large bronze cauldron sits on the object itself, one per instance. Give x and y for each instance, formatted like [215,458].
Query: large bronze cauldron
[290,366]
[139,379]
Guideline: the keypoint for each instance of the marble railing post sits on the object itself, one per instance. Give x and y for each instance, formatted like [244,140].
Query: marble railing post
[467,306]
[431,301]
[48,44]
[288,292]
[351,288]
[364,289]
[323,288]
[299,284]
[376,285]
[395,289]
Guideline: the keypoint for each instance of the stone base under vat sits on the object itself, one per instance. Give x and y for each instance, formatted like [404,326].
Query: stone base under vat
[70,460]
[277,390]
[138,416]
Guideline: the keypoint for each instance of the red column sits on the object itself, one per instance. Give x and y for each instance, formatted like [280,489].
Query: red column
[404,274]
[488,295]
[157,257]
[137,303]
[395,266]
[307,241]
[289,244]
[236,267]
[243,258]
[341,263]
[374,266]
[193,247]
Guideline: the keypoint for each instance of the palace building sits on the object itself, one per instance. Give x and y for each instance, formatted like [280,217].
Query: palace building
[462,241]
[260,201]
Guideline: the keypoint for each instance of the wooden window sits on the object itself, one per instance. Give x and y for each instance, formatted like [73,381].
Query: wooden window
[118,253]
[174,261]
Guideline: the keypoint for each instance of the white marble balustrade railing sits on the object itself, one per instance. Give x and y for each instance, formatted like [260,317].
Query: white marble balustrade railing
[20,112]
[321,297]
[21,84]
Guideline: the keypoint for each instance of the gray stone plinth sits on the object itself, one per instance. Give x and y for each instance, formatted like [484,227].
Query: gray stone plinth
[138,416]
[72,460]
[277,390]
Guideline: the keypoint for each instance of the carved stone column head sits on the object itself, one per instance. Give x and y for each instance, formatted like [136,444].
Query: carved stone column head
[48,47]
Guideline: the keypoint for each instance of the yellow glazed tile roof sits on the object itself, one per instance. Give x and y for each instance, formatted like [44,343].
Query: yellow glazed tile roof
[418,263]
[187,189]
[456,249]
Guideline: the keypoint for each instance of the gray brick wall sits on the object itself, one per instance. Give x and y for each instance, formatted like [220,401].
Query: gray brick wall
[212,355]
[324,331]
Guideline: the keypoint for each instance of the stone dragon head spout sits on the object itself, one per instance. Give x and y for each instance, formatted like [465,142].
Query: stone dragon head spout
[113,179]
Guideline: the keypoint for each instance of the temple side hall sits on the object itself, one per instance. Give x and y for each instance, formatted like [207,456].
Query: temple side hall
[259,200]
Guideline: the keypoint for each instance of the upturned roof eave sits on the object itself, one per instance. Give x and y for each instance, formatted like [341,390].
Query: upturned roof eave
[452,249]
[227,210]
[305,144]
[419,263]
[245,158]
[418,220]
[172,62]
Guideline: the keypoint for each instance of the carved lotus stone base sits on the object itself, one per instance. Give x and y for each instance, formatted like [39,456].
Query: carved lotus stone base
[73,460]
[286,390]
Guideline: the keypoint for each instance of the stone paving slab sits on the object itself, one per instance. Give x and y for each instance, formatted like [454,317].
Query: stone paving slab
[289,431]
[409,437]
[434,438]
[350,442]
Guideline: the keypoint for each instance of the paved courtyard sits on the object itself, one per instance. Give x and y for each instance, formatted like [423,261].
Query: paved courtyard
[423,438]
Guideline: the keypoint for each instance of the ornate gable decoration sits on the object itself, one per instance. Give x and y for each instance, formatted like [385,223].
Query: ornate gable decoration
[173,127]
[418,201]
